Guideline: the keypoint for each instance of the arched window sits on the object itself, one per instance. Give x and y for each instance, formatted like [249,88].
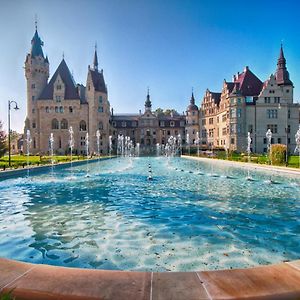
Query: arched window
[64,124]
[82,126]
[47,109]
[55,124]
[100,125]
[61,109]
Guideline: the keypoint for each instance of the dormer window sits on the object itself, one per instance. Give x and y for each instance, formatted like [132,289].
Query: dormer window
[58,87]
[172,123]
[123,124]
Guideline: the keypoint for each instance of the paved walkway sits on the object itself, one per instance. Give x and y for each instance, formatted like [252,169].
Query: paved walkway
[43,282]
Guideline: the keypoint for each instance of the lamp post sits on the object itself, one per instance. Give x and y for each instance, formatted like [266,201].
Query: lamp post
[9,108]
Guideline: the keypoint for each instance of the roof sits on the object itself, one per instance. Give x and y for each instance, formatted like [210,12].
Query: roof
[36,45]
[98,81]
[216,97]
[282,74]
[247,84]
[71,91]
[192,105]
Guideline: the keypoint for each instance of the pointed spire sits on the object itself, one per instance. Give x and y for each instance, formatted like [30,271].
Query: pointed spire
[148,103]
[95,59]
[192,101]
[282,74]
[36,44]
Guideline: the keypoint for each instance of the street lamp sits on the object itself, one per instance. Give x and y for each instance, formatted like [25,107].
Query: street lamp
[9,108]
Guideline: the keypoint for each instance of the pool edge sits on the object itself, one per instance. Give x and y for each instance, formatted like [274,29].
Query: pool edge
[33,281]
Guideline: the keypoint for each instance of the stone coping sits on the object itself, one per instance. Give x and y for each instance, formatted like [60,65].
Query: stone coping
[39,169]
[43,282]
[294,171]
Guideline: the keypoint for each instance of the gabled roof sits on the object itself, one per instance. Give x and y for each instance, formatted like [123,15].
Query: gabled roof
[216,97]
[248,83]
[71,91]
[98,81]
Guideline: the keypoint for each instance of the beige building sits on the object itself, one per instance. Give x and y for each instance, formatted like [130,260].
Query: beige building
[249,105]
[55,106]
[149,128]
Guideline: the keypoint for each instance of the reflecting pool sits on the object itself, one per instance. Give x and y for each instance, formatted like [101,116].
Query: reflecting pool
[191,216]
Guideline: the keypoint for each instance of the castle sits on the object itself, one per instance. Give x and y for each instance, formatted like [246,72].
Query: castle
[246,104]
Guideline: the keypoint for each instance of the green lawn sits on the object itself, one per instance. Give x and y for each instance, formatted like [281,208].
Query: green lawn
[21,160]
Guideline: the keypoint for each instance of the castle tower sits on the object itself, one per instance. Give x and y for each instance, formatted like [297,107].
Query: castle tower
[99,107]
[36,73]
[192,120]
[148,104]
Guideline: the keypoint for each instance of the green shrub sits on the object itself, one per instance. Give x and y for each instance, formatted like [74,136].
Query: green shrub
[277,154]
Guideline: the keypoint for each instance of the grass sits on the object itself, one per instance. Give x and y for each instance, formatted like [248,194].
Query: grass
[19,161]
[293,160]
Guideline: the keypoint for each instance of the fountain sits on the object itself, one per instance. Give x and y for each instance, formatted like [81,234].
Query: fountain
[197,142]
[110,145]
[137,149]
[249,140]
[297,139]
[71,144]
[51,143]
[179,143]
[28,142]
[87,154]
[98,142]
[269,142]
[188,143]
[157,149]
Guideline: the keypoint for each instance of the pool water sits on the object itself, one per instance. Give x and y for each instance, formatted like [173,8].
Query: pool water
[191,216]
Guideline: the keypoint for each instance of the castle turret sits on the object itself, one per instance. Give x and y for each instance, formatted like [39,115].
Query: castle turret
[148,104]
[98,107]
[282,74]
[37,74]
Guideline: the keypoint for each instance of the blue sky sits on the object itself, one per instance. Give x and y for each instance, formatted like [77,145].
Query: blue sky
[170,46]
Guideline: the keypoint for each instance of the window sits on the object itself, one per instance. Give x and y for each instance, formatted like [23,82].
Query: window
[70,109]
[33,86]
[211,120]
[272,127]
[239,100]
[168,132]
[204,122]
[56,109]
[232,141]
[224,131]
[61,109]
[218,119]
[58,87]
[54,124]
[162,123]
[100,100]
[211,133]
[33,98]
[172,123]
[58,98]
[279,140]
[64,124]
[33,125]
[232,113]
[224,117]
[239,129]
[47,109]
[193,113]
[272,113]
[100,125]
[133,123]
[100,109]
[276,99]
[289,114]
[124,124]
[287,91]
[82,126]
[33,110]
[239,113]
[267,99]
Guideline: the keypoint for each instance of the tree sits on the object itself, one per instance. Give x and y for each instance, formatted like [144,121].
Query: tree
[3,141]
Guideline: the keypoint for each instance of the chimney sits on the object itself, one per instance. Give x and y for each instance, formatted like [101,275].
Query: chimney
[246,68]
[112,111]
[233,78]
